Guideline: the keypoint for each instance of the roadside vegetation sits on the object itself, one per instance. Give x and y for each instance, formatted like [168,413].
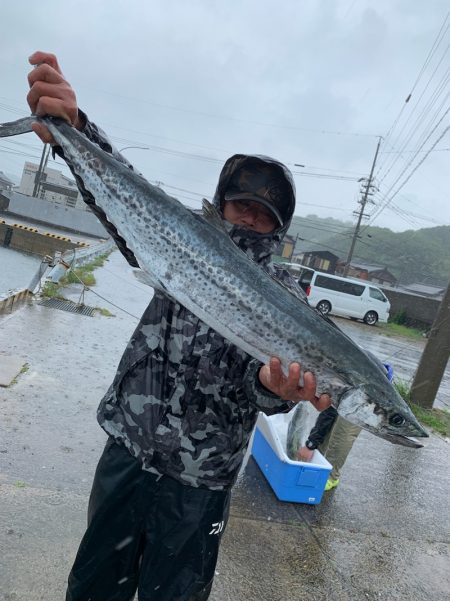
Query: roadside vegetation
[84,273]
[79,275]
[24,370]
[436,419]
[398,325]
[395,329]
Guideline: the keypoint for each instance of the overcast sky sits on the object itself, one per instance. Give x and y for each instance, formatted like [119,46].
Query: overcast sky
[310,82]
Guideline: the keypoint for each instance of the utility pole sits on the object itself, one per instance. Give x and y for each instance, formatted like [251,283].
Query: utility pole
[38,176]
[361,212]
[434,358]
[293,247]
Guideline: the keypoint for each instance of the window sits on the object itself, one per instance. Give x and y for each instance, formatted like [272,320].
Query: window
[339,285]
[305,276]
[375,293]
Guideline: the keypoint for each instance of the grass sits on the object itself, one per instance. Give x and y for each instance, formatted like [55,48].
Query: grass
[24,370]
[51,290]
[396,329]
[104,312]
[80,275]
[436,419]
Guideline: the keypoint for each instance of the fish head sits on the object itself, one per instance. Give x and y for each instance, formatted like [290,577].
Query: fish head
[382,411]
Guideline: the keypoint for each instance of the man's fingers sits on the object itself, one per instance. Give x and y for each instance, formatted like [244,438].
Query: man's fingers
[294,375]
[276,373]
[43,133]
[321,403]
[44,73]
[39,57]
[53,107]
[309,385]
[42,90]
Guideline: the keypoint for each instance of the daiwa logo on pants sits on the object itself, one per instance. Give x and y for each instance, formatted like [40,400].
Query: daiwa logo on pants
[217,527]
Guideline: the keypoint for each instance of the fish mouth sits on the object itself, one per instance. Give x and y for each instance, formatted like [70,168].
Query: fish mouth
[405,441]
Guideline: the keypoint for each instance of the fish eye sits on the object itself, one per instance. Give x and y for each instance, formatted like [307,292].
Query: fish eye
[396,420]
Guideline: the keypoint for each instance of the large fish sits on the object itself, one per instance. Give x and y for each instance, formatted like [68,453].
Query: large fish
[195,262]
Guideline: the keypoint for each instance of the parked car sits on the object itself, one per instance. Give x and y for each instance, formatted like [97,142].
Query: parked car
[345,297]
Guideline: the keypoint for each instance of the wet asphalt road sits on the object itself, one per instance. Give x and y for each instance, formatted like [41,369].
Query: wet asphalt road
[383,534]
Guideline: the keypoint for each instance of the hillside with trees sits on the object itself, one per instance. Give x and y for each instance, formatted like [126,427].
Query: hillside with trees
[412,256]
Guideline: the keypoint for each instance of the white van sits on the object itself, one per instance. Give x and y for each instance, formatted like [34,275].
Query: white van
[346,297]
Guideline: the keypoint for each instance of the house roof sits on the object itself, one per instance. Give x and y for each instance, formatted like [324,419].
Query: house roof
[369,267]
[424,289]
[316,251]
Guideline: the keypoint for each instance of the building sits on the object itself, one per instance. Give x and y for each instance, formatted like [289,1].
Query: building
[320,260]
[5,183]
[6,186]
[286,248]
[364,271]
[54,186]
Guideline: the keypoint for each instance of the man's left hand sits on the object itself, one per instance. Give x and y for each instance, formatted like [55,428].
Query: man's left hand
[288,388]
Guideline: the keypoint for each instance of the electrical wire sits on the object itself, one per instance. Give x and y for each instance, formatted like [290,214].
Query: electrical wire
[434,47]
[86,288]
[408,177]
[414,128]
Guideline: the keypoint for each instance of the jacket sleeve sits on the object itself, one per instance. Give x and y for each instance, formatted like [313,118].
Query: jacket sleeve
[257,394]
[97,136]
[323,425]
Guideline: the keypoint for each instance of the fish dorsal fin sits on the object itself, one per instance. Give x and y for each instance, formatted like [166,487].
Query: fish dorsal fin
[212,215]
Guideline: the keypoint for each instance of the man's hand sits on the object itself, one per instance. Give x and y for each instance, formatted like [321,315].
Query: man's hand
[287,387]
[50,94]
[305,454]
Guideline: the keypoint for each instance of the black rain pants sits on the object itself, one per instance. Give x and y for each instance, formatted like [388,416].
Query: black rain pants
[146,533]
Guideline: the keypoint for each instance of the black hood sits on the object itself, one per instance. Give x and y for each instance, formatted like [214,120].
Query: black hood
[259,247]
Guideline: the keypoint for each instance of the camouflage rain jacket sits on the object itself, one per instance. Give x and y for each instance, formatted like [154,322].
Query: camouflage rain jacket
[184,400]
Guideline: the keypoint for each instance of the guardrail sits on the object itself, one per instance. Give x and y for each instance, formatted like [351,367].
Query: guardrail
[71,258]
[13,299]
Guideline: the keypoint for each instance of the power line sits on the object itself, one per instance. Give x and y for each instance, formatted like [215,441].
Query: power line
[405,181]
[415,126]
[237,119]
[432,51]
[407,151]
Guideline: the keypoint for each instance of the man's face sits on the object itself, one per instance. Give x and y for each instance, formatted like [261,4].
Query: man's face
[251,215]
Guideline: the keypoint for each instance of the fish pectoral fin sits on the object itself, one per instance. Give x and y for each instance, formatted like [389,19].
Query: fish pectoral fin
[15,128]
[146,278]
[212,215]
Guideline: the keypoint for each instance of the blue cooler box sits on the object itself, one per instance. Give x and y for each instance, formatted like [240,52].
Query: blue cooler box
[293,481]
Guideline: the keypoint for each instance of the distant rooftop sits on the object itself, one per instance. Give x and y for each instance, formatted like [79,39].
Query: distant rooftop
[368,266]
[424,289]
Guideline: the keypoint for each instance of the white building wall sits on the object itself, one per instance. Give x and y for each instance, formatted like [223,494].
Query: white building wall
[53,176]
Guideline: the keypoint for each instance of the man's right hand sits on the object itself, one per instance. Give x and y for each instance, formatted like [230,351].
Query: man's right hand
[50,94]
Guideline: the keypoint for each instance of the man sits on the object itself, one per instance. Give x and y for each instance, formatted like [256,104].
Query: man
[181,409]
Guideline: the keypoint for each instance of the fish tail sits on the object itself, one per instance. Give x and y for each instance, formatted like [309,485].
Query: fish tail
[15,128]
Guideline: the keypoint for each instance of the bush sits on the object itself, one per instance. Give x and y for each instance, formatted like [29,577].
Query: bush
[401,318]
